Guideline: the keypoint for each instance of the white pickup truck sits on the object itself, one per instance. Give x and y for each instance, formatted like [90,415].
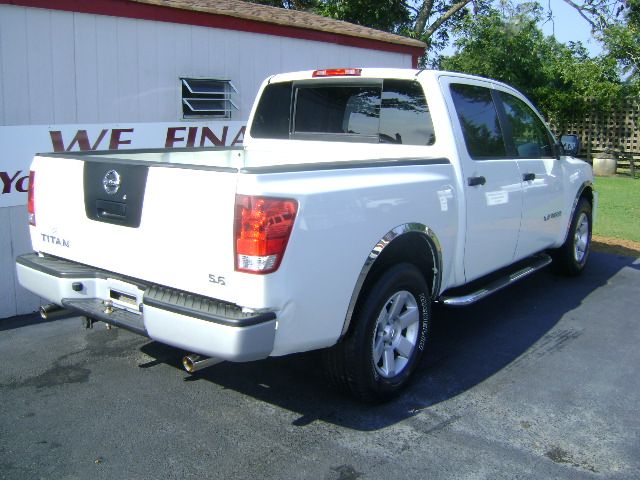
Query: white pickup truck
[361,197]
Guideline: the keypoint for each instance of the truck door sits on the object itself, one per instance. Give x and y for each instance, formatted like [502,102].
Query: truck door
[492,181]
[542,175]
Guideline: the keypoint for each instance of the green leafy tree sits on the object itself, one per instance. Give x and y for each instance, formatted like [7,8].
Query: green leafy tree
[598,13]
[499,45]
[622,41]
[426,20]
[615,23]
[290,4]
[508,45]
[387,15]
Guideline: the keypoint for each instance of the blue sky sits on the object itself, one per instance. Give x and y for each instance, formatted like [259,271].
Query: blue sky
[568,26]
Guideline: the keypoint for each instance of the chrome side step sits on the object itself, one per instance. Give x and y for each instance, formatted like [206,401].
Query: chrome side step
[538,261]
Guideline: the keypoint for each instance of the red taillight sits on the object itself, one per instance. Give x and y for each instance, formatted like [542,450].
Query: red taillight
[262,229]
[31,204]
[338,72]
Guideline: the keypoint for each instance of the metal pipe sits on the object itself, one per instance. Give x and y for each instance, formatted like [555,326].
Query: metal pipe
[194,362]
[52,311]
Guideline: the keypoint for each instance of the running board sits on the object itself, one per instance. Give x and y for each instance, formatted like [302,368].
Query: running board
[537,262]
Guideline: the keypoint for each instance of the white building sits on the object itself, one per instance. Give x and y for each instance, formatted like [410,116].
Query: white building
[121,74]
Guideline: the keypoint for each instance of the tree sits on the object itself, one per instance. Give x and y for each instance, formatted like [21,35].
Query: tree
[426,20]
[499,45]
[616,23]
[622,41]
[561,79]
[598,13]
[388,15]
[290,4]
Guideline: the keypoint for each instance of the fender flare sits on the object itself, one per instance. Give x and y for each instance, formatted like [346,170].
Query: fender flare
[436,256]
[583,187]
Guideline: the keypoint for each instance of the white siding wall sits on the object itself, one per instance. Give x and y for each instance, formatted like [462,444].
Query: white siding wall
[71,68]
[62,67]
[14,240]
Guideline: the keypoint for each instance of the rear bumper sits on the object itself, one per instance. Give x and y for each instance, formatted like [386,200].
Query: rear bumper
[181,319]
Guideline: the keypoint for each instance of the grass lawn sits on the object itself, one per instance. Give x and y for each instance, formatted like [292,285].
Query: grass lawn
[618,213]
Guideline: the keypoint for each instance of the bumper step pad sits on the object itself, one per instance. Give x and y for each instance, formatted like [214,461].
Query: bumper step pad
[96,309]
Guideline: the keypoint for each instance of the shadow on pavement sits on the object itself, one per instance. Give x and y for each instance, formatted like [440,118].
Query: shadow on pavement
[468,345]
[21,321]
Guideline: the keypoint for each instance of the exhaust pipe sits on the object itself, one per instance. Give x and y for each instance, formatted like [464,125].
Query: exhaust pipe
[194,362]
[52,311]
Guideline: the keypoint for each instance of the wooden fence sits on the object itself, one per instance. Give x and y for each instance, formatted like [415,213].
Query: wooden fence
[616,133]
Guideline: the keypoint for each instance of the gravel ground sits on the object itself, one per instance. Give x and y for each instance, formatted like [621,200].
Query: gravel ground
[538,381]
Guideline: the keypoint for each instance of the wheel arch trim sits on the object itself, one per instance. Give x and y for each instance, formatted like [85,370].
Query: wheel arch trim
[435,249]
[587,184]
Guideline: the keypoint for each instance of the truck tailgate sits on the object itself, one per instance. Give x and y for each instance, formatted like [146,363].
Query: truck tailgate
[165,223]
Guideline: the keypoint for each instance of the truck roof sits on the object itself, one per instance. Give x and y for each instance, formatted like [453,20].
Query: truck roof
[404,73]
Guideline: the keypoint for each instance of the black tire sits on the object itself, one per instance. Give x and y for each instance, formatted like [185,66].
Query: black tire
[384,345]
[571,258]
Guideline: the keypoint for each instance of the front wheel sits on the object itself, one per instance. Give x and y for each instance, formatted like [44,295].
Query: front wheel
[571,258]
[388,336]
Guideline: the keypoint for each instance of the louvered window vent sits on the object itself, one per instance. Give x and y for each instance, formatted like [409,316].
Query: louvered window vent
[207,97]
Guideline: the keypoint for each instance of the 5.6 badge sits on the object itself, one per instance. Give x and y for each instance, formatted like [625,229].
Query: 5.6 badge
[217,280]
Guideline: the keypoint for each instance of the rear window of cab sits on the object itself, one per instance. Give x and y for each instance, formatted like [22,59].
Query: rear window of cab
[377,111]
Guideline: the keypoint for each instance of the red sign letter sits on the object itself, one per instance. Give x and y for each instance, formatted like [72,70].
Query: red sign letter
[115,138]
[171,136]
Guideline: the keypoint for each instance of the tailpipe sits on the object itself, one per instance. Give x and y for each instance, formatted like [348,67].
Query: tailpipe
[194,362]
[52,311]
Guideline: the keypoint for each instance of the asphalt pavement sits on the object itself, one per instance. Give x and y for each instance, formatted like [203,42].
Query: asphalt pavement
[538,381]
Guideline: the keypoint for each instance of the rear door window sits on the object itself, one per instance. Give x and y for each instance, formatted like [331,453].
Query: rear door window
[479,121]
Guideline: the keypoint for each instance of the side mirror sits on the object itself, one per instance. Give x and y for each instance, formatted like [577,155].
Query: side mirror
[570,144]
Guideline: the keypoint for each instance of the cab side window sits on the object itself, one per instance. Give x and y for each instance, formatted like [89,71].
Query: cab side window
[530,136]
[479,119]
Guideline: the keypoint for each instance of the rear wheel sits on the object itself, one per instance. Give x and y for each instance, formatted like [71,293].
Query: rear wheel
[571,258]
[390,328]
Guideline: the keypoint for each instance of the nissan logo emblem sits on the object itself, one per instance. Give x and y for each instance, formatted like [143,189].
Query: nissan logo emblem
[111,182]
